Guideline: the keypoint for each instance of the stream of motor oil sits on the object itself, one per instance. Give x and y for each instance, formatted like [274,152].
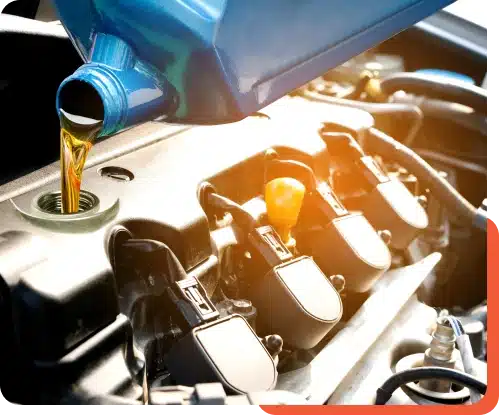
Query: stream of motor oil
[77,137]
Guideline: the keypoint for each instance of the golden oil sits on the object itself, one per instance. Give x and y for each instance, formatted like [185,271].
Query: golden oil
[77,137]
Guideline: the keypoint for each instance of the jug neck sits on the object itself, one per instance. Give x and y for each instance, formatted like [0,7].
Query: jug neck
[114,87]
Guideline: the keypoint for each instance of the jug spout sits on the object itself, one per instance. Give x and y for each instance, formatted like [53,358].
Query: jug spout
[114,87]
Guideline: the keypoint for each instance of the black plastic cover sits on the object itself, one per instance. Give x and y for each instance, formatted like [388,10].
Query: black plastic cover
[386,202]
[298,302]
[18,251]
[391,206]
[349,246]
[340,242]
[226,351]
[267,248]
[59,302]
[61,329]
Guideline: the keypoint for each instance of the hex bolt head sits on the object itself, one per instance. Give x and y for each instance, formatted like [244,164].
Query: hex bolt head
[402,171]
[386,236]
[338,282]
[274,344]
[270,154]
[423,201]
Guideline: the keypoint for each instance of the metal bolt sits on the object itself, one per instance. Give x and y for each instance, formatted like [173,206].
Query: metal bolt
[423,201]
[242,306]
[273,344]
[386,236]
[271,154]
[338,282]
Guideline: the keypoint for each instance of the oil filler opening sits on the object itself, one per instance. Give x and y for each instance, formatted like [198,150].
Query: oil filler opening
[52,202]
[80,98]
[117,173]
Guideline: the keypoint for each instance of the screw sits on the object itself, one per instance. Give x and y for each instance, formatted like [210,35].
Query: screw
[423,201]
[271,154]
[338,282]
[386,236]
[274,344]
[402,171]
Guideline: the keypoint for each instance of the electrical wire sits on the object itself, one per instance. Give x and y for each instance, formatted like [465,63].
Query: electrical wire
[386,146]
[385,392]
[455,324]
[465,349]
[450,160]
[413,112]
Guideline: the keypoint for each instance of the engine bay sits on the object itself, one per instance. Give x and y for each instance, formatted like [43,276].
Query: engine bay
[303,255]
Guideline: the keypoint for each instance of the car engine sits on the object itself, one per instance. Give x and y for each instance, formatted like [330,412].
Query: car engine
[328,249]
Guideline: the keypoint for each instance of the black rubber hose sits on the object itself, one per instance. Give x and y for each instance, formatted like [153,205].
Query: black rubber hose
[448,90]
[462,116]
[412,112]
[451,161]
[380,143]
[385,392]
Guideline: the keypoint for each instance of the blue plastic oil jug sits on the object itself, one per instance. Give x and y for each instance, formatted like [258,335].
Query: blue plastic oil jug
[213,61]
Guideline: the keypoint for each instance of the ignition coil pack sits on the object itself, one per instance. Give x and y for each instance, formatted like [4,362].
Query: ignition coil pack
[385,201]
[209,346]
[292,295]
[341,242]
